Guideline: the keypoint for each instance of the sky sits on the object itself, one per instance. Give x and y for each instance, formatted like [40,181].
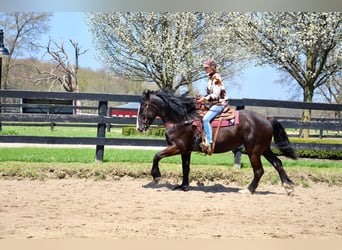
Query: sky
[255,82]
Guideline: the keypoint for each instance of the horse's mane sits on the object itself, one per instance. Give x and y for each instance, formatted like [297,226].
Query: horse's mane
[179,108]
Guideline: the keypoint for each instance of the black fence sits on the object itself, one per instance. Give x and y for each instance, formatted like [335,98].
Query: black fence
[14,112]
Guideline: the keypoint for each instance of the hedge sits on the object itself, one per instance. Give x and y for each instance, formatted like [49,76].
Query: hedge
[315,154]
[128,131]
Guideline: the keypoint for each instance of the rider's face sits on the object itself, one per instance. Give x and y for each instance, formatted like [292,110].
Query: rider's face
[208,70]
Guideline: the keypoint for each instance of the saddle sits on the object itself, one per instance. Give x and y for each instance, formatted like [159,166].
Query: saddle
[228,117]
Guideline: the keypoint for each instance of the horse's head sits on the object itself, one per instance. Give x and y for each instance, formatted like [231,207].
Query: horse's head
[147,111]
[166,105]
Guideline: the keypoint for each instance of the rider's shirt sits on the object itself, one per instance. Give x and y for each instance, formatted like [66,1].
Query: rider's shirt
[215,90]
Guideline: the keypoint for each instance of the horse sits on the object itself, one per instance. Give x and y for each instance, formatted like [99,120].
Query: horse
[178,112]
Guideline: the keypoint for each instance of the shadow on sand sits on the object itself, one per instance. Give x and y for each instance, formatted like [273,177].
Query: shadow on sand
[215,188]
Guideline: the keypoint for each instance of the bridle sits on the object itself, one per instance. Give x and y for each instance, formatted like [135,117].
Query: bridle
[146,120]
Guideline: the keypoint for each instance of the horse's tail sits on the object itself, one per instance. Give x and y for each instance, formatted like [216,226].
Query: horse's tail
[281,139]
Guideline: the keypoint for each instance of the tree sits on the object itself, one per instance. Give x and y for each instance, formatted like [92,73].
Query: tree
[331,92]
[306,46]
[165,48]
[22,32]
[63,71]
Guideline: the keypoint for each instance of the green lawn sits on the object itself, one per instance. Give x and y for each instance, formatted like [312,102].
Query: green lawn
[87,155]
[42,163]
[58,131]
[114,133]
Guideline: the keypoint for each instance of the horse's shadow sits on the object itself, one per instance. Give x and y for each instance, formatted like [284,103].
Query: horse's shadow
[215,188]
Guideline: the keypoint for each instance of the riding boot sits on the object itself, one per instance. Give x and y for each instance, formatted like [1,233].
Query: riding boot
[206,147]
[210,148]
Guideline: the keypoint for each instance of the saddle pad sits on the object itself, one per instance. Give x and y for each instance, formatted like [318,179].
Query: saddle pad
[226,123]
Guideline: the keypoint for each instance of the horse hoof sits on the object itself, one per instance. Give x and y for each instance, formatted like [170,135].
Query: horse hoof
[156,180]
[291,193]
[244,191]
[289,189]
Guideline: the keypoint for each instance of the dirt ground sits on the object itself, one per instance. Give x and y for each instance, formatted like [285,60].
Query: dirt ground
[136,209]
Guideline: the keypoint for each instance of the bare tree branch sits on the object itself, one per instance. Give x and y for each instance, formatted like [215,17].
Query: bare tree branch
[22,33]
[63,71]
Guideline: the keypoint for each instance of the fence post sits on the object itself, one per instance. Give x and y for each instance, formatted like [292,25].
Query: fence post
[101,129]
[109,114]
[321,128]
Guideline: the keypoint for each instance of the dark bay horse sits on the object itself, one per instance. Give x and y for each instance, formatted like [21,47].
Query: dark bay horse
[254,131]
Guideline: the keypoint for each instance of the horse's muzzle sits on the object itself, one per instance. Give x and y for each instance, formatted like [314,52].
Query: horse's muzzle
[142,127]
[141,130]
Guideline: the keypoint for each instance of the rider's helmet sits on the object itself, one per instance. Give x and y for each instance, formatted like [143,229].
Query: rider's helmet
[210,63]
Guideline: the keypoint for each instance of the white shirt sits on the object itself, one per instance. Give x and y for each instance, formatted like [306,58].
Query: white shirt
[215,87]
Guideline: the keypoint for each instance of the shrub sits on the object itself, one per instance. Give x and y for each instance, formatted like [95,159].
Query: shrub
[158,132]
[9,132]
[318,154]
[127,131]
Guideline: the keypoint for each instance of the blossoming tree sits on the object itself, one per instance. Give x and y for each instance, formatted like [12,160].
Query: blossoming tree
[165,48]
[306,46]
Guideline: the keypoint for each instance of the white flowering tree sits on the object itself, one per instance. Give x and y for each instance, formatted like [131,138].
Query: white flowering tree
[165,48]
[332,90]
[307,46]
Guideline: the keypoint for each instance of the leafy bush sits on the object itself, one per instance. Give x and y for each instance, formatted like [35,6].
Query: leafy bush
[318,154]
[9,132]
[127,131]
[158,132]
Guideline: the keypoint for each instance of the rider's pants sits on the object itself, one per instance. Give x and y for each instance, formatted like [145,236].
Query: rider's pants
[209,116]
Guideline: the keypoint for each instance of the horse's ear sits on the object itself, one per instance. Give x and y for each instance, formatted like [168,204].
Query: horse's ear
[147,93]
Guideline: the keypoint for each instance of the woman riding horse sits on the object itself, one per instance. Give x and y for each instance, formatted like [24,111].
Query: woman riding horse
[254,131]
[216,95]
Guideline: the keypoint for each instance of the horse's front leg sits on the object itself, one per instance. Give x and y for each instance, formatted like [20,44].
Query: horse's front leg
[169,151]
[186,169]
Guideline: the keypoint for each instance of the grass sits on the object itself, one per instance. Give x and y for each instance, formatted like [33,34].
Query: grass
[114,133]
[42,163]
[304,176]
[46,131]
[45,162]
[64,131]
[87,155]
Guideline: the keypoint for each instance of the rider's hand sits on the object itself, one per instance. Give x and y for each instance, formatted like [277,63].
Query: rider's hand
[201,100]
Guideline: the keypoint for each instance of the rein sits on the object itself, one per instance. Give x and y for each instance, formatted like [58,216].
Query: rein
[173,124]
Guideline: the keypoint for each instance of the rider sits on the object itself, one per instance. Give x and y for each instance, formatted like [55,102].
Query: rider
[216,95]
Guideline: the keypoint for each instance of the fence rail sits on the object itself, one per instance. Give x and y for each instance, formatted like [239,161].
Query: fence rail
[103,120]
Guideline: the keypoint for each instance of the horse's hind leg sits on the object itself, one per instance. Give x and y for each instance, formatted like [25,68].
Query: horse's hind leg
[277,164]
[258,171]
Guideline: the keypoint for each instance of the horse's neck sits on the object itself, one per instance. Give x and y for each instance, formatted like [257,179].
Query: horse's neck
[165,112]
[161,109]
